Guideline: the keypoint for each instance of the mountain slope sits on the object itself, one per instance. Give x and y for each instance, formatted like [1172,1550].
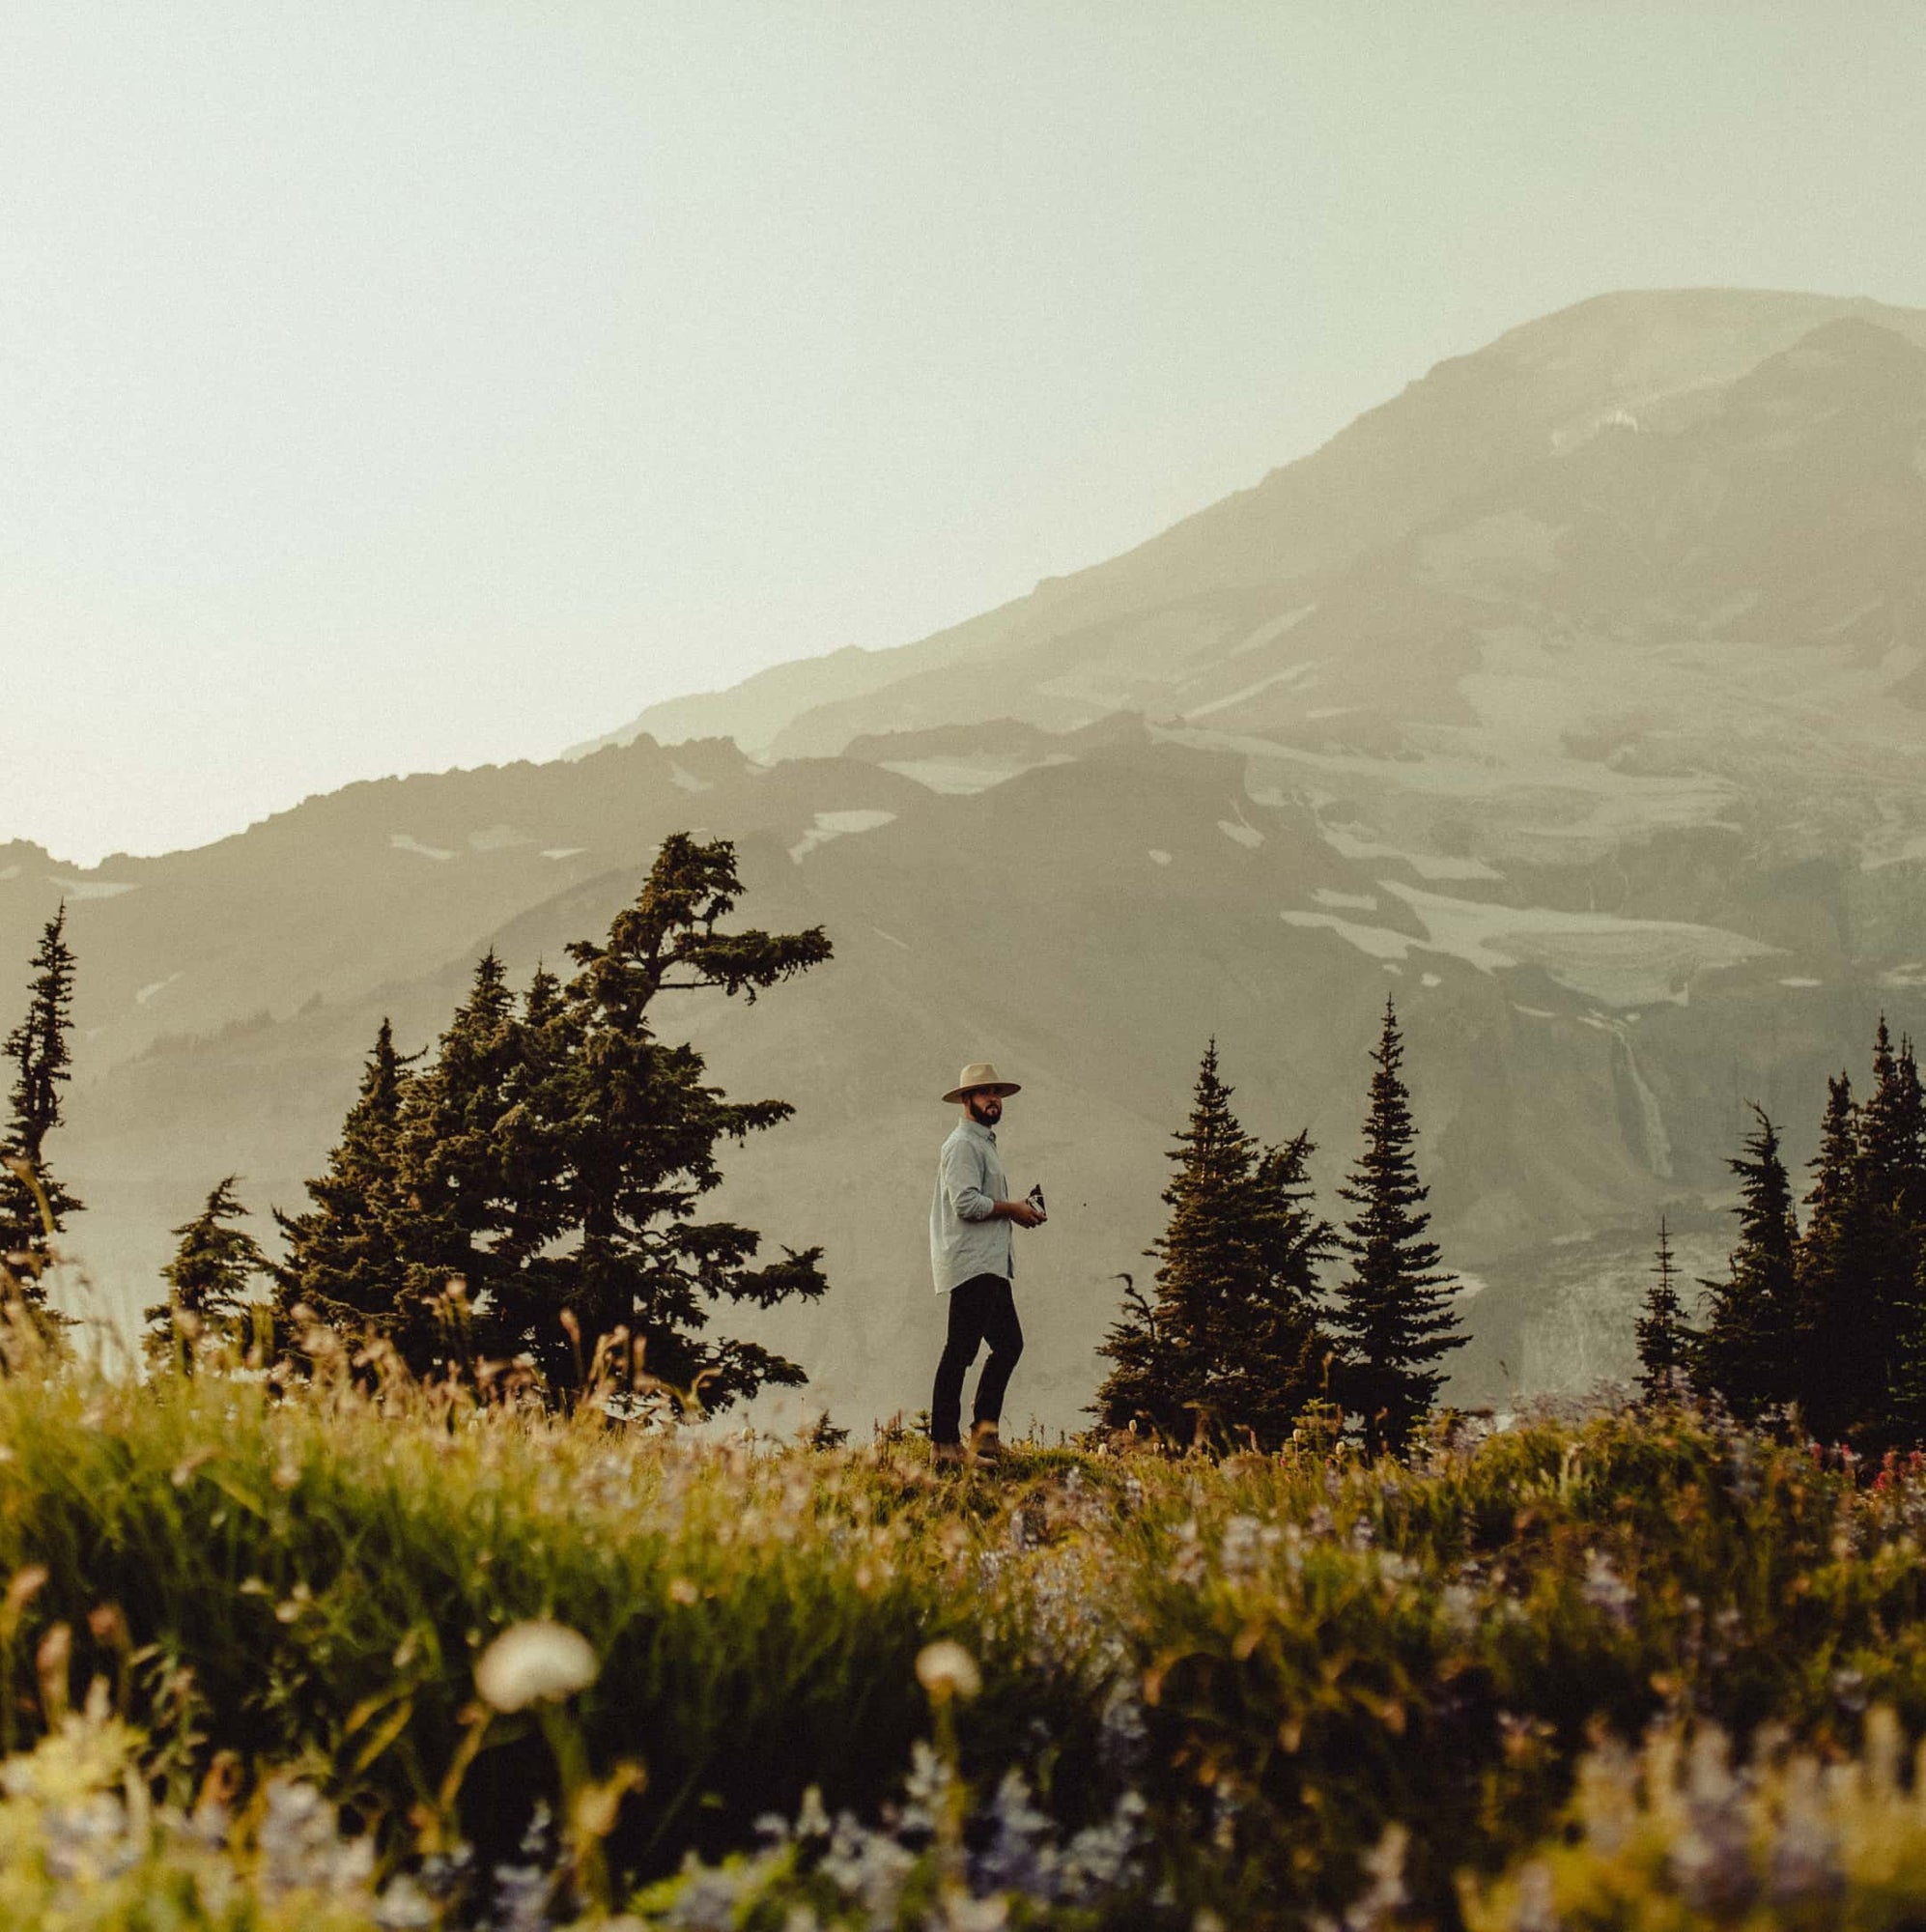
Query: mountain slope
[1465,429]
[1577,697]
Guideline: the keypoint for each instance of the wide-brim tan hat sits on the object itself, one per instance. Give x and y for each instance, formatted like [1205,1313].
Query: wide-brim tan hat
[980,1077]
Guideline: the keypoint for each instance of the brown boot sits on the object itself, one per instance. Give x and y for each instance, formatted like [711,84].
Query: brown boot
[948,1456]
[987,1444]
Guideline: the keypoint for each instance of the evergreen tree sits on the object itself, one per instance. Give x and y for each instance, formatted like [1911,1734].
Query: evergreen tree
[1910,1106]
[1896,1159]
[452,1176]
[1231,1344]
[1392,1315]
[1665,1341]
[1836,1361]
[1746,1352]
[615,1146]
[31,1195]
[529,1138]
[1163,1351]
[1889,1189]
[1270,1354]
[209,1283]
[1134,1393]
[347,1257]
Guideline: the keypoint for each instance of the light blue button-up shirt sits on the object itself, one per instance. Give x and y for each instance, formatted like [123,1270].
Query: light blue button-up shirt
[967,1237]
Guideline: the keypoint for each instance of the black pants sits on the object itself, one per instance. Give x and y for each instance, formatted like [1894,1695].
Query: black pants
[982,1310]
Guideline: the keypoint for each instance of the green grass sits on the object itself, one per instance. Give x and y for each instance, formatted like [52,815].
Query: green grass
[1284,1656]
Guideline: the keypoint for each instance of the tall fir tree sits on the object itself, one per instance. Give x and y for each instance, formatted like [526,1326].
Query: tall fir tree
[1746,1353]
[1664,1339]
[35,1204]
[1889,1187]
[1898,1175]
[1392,1315]
[1162,1350]
[1230,1348]
[1272,1357]
[210,1285]
[346,1255]
[616,1146]
[1837,1359]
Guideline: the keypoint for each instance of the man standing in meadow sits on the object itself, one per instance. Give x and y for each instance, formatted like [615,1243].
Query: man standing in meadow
[971,1257]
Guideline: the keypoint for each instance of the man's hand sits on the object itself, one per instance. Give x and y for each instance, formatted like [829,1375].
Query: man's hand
[1021,1212]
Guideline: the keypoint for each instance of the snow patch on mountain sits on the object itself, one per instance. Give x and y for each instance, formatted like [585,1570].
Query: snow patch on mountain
[1268,633]
[837,825]
[90,889]
[1378,941]
[406,842]
[1427,864]
[1619,962]
[959,775]
[1290,674]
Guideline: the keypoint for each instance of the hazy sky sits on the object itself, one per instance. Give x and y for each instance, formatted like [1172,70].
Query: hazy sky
[395,385]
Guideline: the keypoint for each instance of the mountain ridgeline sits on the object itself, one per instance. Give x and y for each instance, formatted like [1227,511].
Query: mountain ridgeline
[1577,697]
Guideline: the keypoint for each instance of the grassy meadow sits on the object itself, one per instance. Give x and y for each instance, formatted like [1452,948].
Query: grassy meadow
[1611,1669]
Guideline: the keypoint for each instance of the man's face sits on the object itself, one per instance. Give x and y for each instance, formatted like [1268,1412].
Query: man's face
[986,1109]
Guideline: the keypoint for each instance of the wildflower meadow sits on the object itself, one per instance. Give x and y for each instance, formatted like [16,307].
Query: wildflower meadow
[366,1653]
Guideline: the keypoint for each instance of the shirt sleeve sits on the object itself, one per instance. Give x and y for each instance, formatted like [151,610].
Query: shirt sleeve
[963,1183]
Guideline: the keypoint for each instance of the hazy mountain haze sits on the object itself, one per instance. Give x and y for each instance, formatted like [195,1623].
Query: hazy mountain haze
[385,389]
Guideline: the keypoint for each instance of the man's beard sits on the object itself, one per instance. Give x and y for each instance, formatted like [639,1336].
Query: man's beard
[987,1113]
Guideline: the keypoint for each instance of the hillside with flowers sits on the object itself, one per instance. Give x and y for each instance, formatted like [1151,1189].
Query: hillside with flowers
[367,1654]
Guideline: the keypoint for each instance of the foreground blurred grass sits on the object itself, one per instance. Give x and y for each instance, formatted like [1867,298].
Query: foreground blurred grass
[1283,1656]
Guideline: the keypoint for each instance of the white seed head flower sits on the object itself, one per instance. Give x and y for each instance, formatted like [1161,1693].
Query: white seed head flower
[535,1662]
[946,1669]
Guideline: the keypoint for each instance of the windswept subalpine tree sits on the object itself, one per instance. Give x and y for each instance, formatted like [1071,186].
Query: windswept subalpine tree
[549,1161]
[210,1285]
[1229,1349]
[31,1194]
[346,1258]
[610,1138]
[1664,1340]
[1392,1315]
[1746,1352]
